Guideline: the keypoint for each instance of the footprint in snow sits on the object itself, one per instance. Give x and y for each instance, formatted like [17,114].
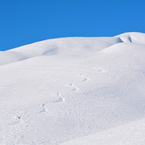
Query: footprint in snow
[59,98]
[18,117]
[73,87]
[16,120]
[56,98]
[44,109]
[100,70]
[84,78]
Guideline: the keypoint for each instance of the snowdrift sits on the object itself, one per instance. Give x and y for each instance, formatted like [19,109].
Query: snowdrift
[74,91]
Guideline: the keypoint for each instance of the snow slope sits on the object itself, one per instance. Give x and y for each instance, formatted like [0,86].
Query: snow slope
[128,134]
[79,89]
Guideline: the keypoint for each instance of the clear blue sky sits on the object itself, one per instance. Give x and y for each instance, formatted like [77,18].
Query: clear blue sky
[27,21]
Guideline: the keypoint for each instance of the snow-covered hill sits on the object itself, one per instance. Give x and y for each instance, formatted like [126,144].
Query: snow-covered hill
[128,134]
[78,89]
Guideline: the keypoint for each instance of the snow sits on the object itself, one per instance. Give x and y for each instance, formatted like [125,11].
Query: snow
[74,91]
[128,134]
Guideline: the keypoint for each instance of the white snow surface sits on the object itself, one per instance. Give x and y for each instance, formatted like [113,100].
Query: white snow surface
[74,91]
[128,134]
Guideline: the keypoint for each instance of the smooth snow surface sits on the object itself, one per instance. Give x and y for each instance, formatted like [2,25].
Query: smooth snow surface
[128,134]
[74,91]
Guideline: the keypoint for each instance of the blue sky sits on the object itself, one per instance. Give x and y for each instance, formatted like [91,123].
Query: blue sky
[27,21]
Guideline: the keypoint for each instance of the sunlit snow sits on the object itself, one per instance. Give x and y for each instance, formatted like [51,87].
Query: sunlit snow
[74,91]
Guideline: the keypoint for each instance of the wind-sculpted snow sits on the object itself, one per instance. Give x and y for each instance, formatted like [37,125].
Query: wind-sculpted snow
[64,89]
[68,47]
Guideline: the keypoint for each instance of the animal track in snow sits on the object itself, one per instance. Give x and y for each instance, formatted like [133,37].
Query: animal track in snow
[60,98]
[44,109]
[100,70]
[73,88]
[18,117]
[84,78]
[16,120]
[56,98]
